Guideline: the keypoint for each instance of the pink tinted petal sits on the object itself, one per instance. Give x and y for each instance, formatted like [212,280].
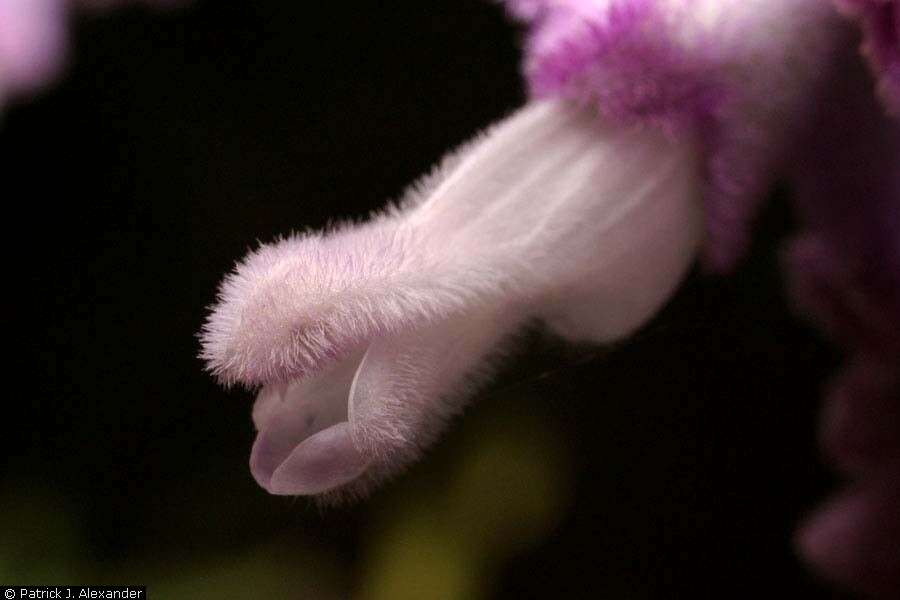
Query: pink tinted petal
[409,385]
[267,404]
[324,461]
[643,256]
[286,415]
[33,43]
[403,392]
[855,539]
[590,223]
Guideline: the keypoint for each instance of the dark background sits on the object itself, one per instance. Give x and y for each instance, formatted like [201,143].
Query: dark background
[179,139]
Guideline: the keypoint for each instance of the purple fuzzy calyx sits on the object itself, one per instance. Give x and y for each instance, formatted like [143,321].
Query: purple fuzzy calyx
[736,72]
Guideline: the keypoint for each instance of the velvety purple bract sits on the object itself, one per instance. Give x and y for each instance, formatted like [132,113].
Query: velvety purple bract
[736,72]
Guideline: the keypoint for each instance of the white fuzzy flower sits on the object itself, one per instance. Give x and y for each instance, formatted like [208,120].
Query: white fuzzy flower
[367,338]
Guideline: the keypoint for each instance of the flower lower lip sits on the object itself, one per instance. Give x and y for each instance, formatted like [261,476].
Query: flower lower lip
[305,421]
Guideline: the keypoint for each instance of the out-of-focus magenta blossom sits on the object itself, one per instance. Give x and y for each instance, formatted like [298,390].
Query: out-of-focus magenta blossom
[880,20]
[33,44]
[774,87]
[34,41]
[582,211]
[844,271]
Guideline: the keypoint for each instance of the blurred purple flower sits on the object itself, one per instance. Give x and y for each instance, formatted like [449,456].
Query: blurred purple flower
[33,44]
[844,271]
[880,20]
[770,88]
[34,41]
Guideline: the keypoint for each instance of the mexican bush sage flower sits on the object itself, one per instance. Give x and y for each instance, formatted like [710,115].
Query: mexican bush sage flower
[367,338]
[654,132]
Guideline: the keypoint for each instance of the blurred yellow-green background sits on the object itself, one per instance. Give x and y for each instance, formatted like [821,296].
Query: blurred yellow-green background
[495,491]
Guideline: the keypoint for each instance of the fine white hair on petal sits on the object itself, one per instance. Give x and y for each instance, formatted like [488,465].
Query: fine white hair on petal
[305,301]
[369,337]
[577,213]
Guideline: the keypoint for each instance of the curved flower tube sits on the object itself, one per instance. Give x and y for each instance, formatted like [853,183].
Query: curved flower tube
[367,338]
